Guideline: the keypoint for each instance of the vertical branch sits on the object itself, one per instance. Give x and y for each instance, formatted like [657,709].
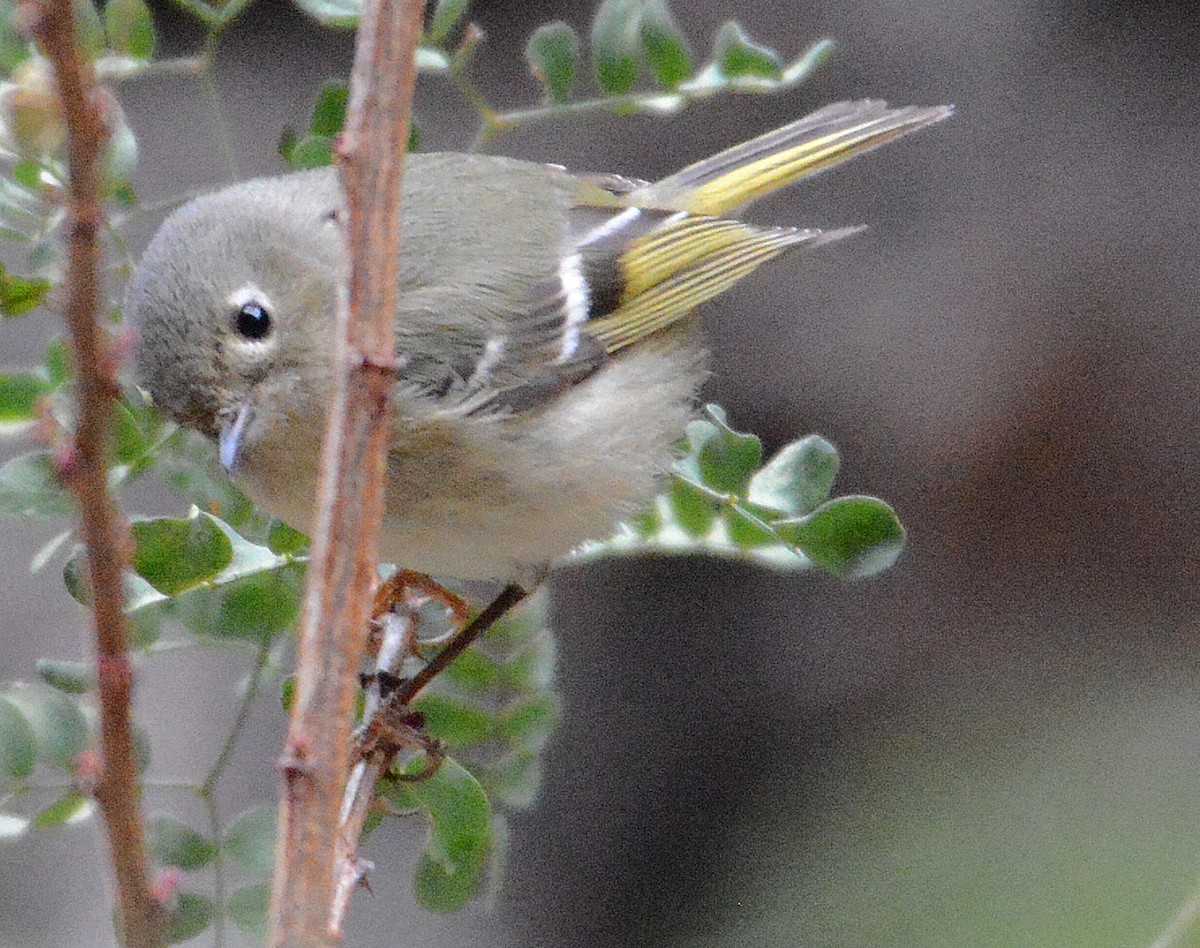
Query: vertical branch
[316,757]
[83,467]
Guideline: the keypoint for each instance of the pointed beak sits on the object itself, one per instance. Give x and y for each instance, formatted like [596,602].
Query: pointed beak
[233,429]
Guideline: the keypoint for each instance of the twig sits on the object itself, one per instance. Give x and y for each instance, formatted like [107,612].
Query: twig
[83,468]
[316,757]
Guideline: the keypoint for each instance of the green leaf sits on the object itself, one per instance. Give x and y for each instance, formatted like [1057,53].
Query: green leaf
[130,440]
[60,730]
[29,487]
[18,743]
[62,811]
[188,917]
[329,114]
[851,536]
[455,722]
[14,44]
[664,44]
[19,295]
[19,396]
[342,14]
[450,870]
[471,672]
[798,478]
[250,841]
[311,151]
[174,555]
[738,56]
[254,607]
[248,908]
[531,723]
[88,27]
[130,28]
[446,13]
[73,678]
[58,362]
[692,509]
[516,779]
[616,44]
[174,843]
[725,459]
[553,57]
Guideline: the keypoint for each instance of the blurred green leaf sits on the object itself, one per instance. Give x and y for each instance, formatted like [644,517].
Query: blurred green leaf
[737,55]
[553,57]
[174,843]
[456,722]
[19,295]
[515,779]
[29,487]
[58,362]
[798,478]
[725,459]
[61,811]
[60,729]
[851,536]
[72,678]
[342,14]
[259,605]
[88,27]
[616,44]
[18,743]
[472,672]
[311,151]
[283,540]
[14,45]
[174,555]
[250,841]
[450,871]
[248,908]
[664,44]
[692,509]
[446,14]
[19,396]
[130,28]
[531,723]
[188,917]
[329,113]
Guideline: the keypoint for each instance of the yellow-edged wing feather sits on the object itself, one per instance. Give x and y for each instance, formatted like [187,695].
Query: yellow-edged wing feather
[696,253]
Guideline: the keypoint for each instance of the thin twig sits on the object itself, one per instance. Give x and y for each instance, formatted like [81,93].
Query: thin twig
[83,468]
[316,757]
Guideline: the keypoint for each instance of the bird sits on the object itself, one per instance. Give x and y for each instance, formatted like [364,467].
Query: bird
[548,353]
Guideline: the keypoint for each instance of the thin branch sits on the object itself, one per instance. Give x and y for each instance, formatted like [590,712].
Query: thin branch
[83,468]
[316,757]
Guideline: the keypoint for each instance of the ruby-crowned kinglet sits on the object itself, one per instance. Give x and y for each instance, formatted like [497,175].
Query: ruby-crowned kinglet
[547,360]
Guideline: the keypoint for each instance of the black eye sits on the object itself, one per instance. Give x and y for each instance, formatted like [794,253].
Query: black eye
[252,321]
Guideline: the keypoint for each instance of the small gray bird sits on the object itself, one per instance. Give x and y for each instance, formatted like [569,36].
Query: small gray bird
[546,355]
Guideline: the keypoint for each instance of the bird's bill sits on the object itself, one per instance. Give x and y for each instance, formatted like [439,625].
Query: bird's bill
[233,430]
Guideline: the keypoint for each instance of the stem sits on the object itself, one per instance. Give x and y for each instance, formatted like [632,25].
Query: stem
[83,470]
[333,629]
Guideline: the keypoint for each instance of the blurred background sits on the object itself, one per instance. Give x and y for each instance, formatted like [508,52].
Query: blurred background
[995,743]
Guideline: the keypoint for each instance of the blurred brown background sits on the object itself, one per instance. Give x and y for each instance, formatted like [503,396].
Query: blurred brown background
[995,743]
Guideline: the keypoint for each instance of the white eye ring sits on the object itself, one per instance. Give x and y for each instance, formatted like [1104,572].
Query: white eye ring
[252,318]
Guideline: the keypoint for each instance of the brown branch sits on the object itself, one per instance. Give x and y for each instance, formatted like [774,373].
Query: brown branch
[83,467]
[316,757]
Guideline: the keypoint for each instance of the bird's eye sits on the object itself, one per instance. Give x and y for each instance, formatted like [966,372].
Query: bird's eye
[252,321]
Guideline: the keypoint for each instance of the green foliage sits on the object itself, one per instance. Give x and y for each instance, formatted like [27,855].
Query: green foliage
[250,841]
[19,295]
[129,28]
[174,843]
[736,55]
[187,917]
[451,869]
[553,57]
[724,500]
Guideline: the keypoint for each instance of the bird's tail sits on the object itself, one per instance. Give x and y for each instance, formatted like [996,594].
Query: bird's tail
[739,175]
